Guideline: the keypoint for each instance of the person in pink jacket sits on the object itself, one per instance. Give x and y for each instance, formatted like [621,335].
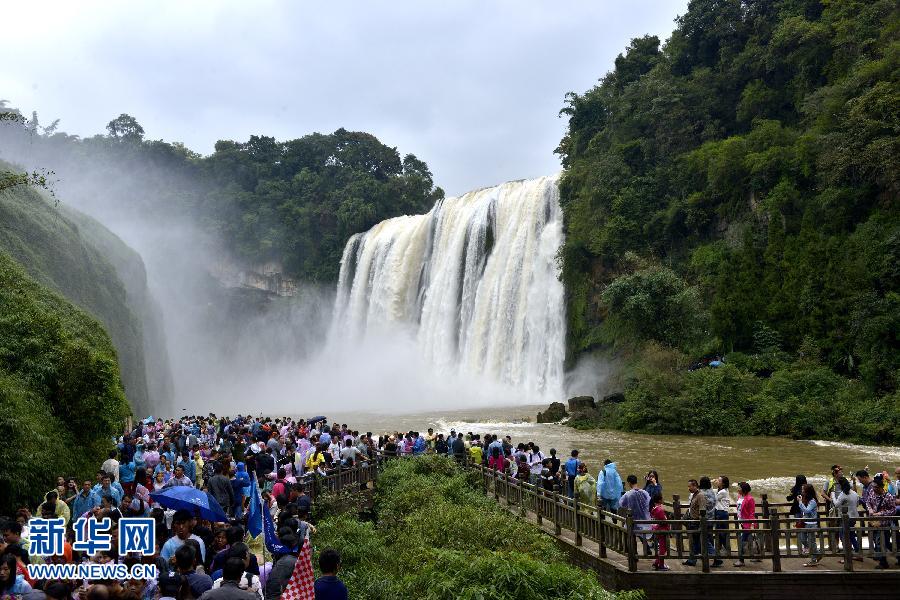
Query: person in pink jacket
[746,511]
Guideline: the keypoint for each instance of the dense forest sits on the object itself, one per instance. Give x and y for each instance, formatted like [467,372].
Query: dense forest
[294,202]
[733,193]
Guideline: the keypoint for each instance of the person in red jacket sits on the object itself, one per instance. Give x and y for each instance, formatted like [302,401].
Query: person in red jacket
[746,512]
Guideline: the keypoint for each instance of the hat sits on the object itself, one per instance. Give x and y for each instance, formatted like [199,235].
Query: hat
[878,480]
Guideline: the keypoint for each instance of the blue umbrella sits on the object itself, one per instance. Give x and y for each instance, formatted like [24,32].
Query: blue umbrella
[197,502]
[148,419]
[315,420]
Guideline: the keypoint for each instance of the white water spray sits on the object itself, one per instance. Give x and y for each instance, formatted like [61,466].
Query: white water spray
[476,282]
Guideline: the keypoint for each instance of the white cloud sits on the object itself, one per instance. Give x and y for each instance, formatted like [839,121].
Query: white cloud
[471,87]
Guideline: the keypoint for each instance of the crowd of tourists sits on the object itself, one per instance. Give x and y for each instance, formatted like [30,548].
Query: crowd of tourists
[231,458]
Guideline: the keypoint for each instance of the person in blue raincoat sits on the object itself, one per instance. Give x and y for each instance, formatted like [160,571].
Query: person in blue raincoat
[609,486]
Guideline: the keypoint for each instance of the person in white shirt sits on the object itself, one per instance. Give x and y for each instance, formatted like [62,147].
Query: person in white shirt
[536,464]
[844,496]
[720,511]
[111,465]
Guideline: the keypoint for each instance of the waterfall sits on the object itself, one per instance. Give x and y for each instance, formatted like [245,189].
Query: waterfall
[475,281]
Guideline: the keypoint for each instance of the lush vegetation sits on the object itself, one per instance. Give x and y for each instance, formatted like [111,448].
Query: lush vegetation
[733,193]
[436,537]
[58,248]
[60,392]
[294,203]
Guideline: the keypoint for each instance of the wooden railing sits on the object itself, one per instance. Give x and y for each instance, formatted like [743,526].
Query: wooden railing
[771,536]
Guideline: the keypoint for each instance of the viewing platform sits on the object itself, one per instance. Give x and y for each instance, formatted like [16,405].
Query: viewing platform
[599,540]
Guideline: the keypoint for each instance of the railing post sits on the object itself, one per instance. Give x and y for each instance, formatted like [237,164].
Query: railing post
[630,541]
[765,515]
[773,537]
[679,537]
[496,489]
[557,528]
[538,510]
[577,528]
[845,540]
[601,536]
[340,483]
[704,546]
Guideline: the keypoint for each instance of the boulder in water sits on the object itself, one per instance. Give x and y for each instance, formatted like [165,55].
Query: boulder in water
[556,412]
[581,403]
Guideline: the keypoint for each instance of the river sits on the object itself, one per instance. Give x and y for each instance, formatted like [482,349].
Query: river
[769,464]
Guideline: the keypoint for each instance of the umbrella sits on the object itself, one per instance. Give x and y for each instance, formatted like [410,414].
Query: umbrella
[315,420]
[197,502]
[148,420]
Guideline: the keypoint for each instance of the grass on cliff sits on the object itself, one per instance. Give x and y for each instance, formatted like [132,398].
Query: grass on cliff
[437,537]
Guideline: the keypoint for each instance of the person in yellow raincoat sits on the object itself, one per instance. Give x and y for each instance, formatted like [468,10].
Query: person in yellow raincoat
[585,486]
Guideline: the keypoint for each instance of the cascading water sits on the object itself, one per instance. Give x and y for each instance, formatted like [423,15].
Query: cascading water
[475,280]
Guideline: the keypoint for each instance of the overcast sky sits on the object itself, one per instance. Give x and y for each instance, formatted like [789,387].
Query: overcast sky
[471,87]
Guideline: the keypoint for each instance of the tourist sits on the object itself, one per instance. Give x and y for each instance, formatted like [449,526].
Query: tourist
[637,501]
[536,465]
[126,475]
[328,586]
[230,587]
[86,500]
[809,514]
[159,481]
[12,584]
[571,470]
[459,448]
[475,452]
[282,565]
[496,461]
[652,484]
[698,503]
[706,488]
[658,513]
[881,504]
[219,487]
[179,479]
[191,580]
[248,579]
[547,481]
[794,496]
[847,498]
[585,486]
[111,465]
[609,486]
[554,464]
[182,526]
[746,516]
[720,513]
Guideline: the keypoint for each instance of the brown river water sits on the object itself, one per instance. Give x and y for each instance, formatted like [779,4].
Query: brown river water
[769,464]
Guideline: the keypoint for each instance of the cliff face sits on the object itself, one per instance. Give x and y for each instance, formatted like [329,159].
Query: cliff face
[75,256]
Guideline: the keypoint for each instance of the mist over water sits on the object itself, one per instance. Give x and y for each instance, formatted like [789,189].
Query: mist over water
[458,308]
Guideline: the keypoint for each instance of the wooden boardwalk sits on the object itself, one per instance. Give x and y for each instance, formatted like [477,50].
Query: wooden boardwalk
[601,541]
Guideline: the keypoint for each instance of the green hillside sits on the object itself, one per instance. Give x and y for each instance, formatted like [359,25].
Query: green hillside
[60,393]
[733,193]
[72,255]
